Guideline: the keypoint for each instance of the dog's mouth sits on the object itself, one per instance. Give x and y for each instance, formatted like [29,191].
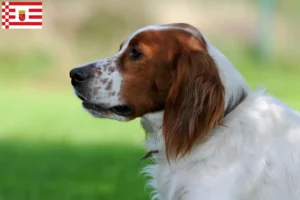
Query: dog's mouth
[122,110]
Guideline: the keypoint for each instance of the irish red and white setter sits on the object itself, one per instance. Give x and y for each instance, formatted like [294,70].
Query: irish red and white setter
[209,135]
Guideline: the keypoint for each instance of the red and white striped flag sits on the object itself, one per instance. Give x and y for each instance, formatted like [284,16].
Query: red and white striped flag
[22,15]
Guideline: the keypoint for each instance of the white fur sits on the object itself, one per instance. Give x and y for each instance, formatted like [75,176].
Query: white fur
[254,155]
[231,79]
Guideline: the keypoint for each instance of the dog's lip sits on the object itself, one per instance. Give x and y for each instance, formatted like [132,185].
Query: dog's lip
[93,106]
[122,110]
[80,96]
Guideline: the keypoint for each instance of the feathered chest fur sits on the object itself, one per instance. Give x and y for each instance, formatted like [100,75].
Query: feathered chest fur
[254,154]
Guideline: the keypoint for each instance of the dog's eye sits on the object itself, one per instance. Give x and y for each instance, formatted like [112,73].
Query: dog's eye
[135,54]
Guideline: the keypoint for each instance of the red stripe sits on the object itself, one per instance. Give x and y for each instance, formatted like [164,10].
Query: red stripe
[25,23]
[25,3]
[9,10]
[9,16]
[35,16]
[35,10]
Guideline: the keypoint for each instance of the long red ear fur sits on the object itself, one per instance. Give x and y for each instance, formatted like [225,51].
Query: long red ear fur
[195,103]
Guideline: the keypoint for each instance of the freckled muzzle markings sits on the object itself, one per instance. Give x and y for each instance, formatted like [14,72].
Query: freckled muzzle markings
[107,81]
[109,85]
[101,90]
[103,84]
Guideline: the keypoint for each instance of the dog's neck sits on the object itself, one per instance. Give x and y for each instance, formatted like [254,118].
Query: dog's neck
[152,124]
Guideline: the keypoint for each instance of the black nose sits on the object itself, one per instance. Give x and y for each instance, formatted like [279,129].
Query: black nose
[79,74]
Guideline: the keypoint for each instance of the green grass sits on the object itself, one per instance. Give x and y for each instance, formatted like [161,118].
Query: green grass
[63,171]
[51,149]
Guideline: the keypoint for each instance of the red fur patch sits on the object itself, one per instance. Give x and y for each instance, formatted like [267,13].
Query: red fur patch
[176,74]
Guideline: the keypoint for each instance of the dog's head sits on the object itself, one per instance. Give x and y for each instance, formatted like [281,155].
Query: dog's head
[137,80]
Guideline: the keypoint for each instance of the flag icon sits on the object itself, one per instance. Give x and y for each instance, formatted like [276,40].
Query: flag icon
[22,15]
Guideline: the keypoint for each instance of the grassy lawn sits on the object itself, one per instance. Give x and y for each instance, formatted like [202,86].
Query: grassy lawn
[51,149]
[63,171]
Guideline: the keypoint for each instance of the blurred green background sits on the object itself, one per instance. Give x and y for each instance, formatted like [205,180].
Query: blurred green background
[51,149]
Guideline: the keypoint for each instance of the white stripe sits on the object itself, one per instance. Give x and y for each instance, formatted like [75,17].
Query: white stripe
[26,20]
[25,27]
[27,13]
[155,27]
[24,7]
[33,13]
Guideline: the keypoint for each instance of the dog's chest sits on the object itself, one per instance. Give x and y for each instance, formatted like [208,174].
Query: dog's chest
[188,178]
[188,183]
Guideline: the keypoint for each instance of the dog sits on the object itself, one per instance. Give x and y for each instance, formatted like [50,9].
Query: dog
[210,137]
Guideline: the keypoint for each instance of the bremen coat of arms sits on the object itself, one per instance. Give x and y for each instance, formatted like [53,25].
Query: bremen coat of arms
[22,15]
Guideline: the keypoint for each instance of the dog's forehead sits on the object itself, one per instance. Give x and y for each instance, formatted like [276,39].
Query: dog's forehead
[186,28]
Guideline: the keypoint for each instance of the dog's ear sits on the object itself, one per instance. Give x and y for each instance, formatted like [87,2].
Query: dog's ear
[195,103]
